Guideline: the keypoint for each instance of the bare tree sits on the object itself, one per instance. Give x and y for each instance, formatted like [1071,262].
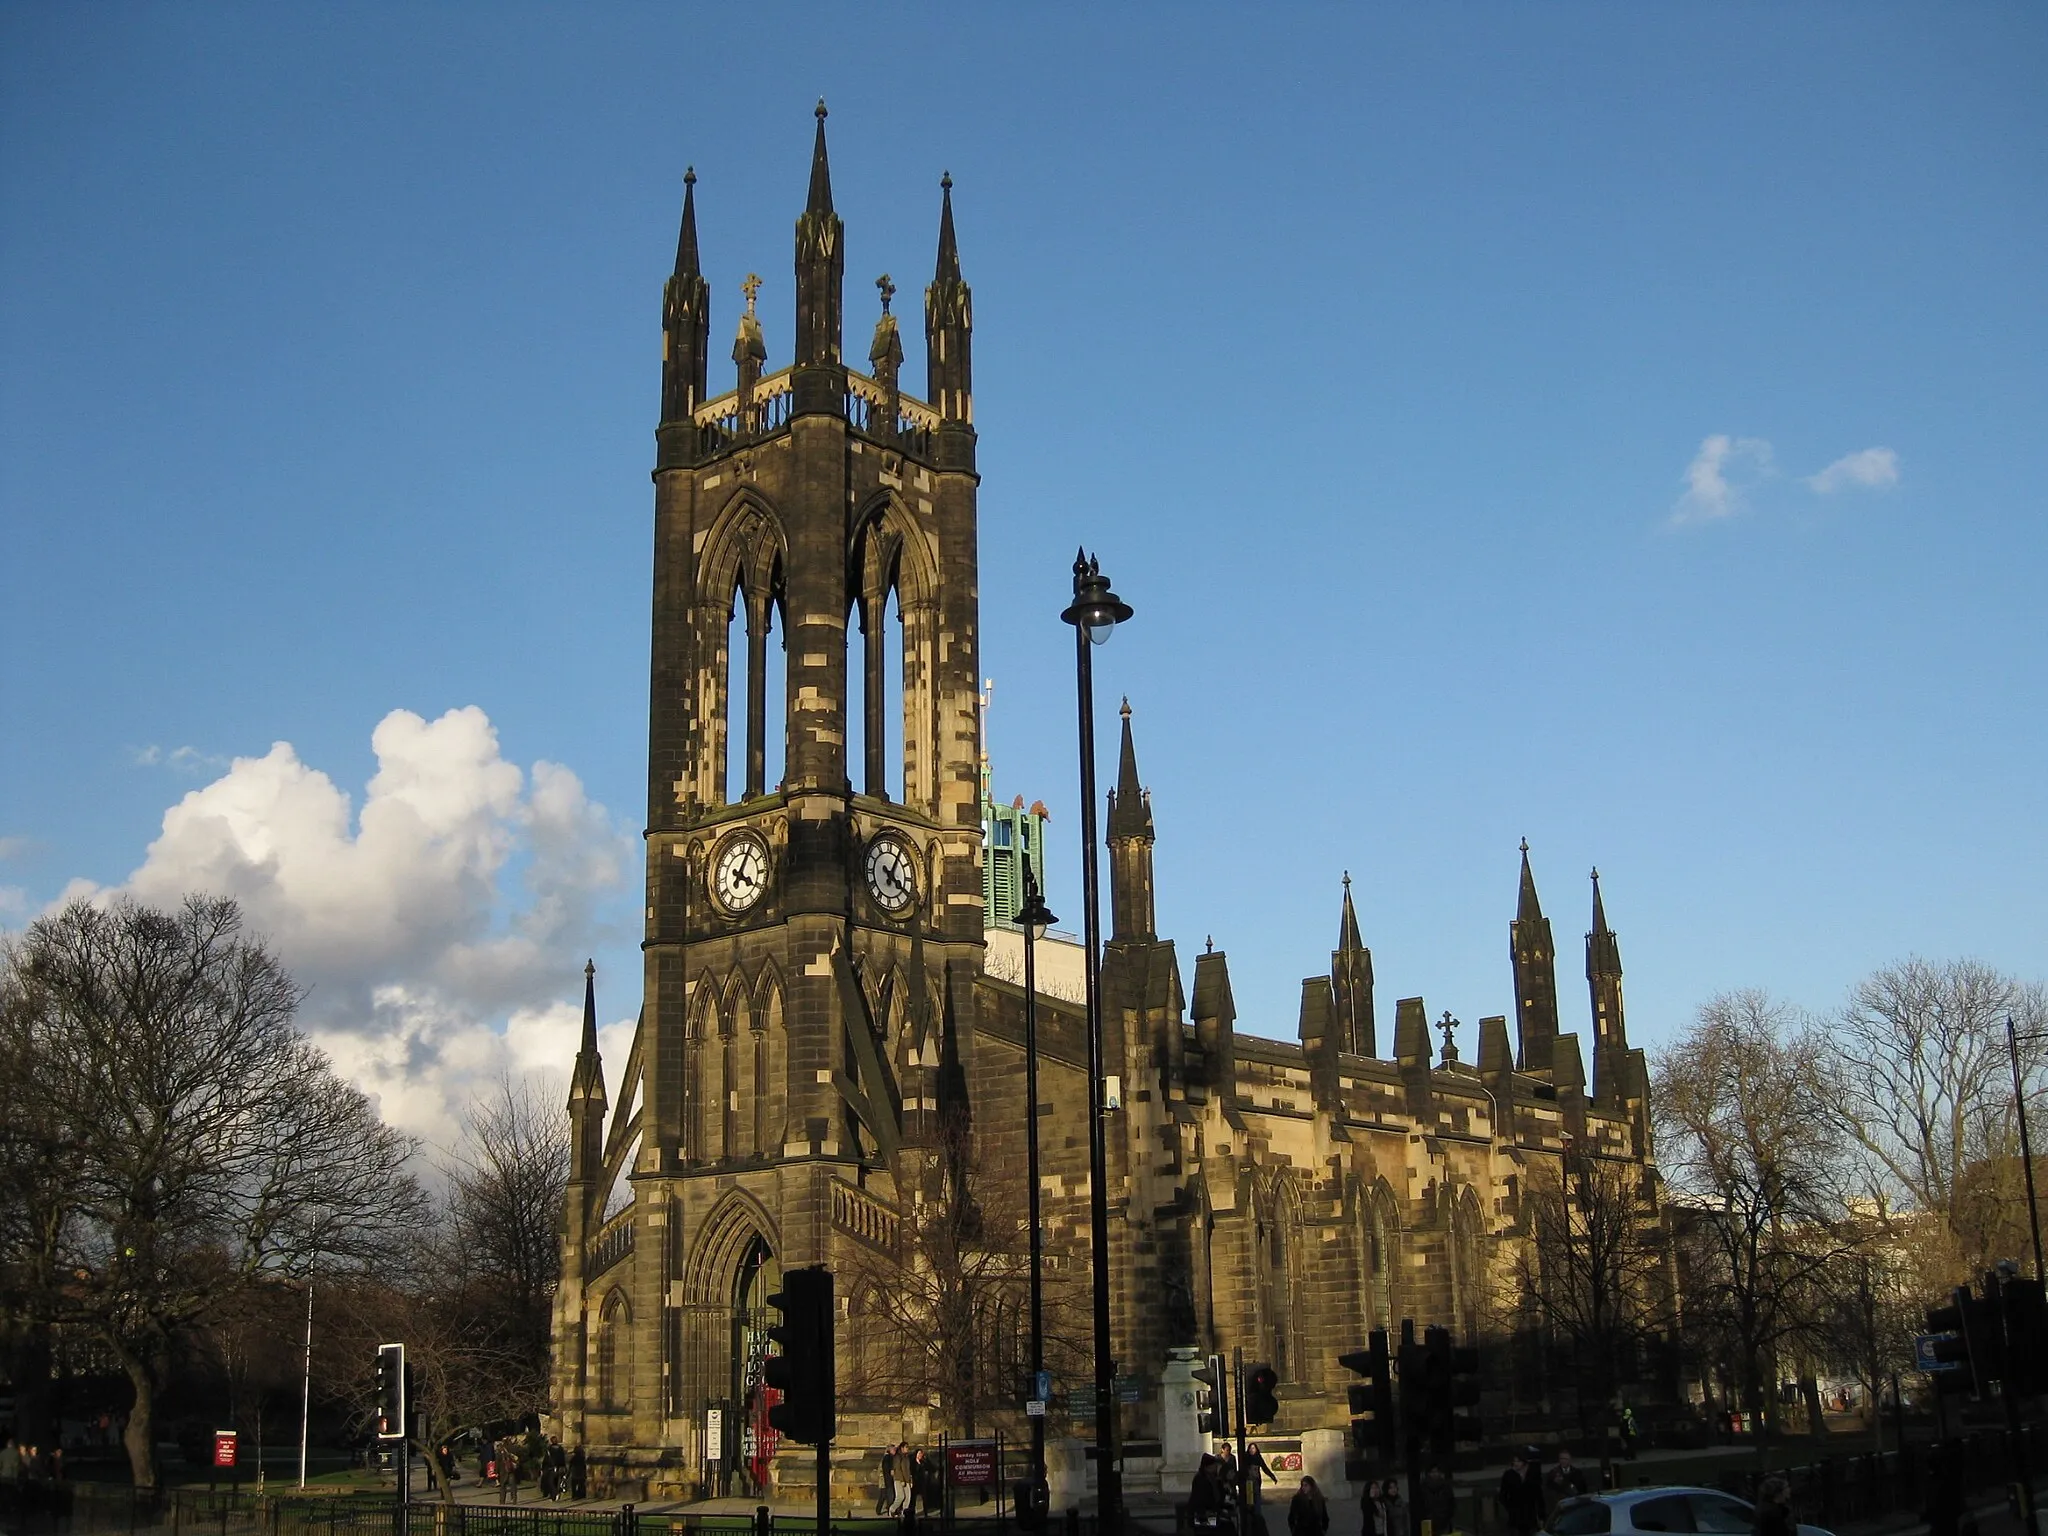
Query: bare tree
[500,1255]
[1594,1270]
[1872,1307]
[1923,1085]
[941,1314]
[1748,1139]
[210,1146]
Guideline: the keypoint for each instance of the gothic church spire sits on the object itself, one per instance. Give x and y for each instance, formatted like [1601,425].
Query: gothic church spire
[1534,957]
[1351,983]
[949,325]
[1603,977]
[1130,847]
[685,319]
[820,270]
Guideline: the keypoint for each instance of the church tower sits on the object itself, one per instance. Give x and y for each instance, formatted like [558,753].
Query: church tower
[813,917]
[1131,902]
[1351,981]
[1534,956]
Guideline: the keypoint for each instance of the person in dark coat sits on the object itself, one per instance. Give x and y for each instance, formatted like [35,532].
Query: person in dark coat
[1308,1513]
[1774,1509]
[1563,1480]
[1256,1473]
[1208,1499]
[1439,1501]
[579,1474]
[1521,1494]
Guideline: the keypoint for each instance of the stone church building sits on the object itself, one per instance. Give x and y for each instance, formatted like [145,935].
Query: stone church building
[831,1011]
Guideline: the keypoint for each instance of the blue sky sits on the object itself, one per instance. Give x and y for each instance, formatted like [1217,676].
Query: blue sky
[1371,348]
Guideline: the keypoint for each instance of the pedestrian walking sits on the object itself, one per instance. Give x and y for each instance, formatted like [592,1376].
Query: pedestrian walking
[903,1469]
[1439,1501]
[1308,1513]
[1390,1509]
[1208,1499]
[579,1477]
[1521,1494]
[1256,1472]
[885,1497]
[1563,1480]
[508,1471]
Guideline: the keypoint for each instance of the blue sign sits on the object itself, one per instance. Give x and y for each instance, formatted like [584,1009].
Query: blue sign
[1923,1352]
[1044,1386]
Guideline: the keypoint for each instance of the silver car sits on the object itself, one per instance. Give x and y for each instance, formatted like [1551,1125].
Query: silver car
[1621,1513]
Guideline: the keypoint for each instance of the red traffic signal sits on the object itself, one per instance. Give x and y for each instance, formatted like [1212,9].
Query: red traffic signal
[1261,1406]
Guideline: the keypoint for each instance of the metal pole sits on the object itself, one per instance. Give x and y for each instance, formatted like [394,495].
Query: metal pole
[1031,1177]
[2019,1098]
[306,1388]
[1108,1477]
[1237,1394]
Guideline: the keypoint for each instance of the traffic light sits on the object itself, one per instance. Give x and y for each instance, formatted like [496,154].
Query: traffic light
[1212,1415]
[803,1371]
[391,1383]
[1373,1429]
[1260,1405]
[1412,1367]
[1450,1392]
[1961,1354]
[2026,1338]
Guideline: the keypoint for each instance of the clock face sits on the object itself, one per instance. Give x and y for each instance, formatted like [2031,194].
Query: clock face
[740,872]
[892,874]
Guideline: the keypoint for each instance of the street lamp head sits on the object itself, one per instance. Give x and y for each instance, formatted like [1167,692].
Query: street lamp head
[1095,609]
[1034,917]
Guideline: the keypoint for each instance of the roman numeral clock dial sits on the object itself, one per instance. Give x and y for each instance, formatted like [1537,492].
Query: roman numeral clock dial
[739,873]
[892,874]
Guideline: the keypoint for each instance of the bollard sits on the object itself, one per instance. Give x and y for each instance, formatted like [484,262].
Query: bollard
[764,1522]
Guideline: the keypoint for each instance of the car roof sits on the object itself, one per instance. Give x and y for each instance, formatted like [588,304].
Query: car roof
[1631,1495]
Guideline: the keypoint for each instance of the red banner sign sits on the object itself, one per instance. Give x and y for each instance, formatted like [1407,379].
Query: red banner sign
[223,1447]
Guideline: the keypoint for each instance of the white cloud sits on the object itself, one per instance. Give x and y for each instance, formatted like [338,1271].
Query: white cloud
[189,760]
[441,931]
[1720,476]
[1867,469]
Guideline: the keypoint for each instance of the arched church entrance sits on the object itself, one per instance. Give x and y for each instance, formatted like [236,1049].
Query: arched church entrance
[731,1272]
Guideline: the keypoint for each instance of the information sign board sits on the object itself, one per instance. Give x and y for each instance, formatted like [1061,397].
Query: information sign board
[224,1447]
[971,1464]
[1923,1352]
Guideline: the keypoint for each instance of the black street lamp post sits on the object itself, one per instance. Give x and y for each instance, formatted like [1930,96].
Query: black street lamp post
[1034,918]
[1094,612]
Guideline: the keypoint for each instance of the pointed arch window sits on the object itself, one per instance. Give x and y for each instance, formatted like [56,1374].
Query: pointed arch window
[612,1323]
[757,684]
[890,584]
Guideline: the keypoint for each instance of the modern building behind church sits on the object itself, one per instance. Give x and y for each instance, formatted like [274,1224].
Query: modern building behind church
[832,985]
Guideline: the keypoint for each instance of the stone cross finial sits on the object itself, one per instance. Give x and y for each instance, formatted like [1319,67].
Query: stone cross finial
[751,287]
[1449,1026]
[888,291]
